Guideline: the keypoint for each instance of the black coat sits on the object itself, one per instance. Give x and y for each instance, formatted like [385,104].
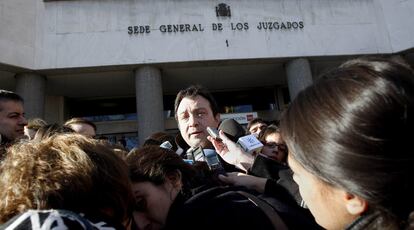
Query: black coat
[223,208]
[280,178]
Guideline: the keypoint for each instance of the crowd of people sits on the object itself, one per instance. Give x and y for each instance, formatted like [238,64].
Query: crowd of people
[341,157]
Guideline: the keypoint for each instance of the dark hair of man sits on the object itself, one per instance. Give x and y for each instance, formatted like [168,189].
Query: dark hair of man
[79,120]
[66,171]
[271,129]
[192,92]
[6,95]
[255,121]
[354,128]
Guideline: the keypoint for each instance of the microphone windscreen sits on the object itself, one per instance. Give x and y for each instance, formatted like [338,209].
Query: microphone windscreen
[232,129]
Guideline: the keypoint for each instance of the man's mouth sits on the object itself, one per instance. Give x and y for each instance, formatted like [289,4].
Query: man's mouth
[196,133]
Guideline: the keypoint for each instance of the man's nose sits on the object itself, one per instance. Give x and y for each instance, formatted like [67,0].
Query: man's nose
[192,120]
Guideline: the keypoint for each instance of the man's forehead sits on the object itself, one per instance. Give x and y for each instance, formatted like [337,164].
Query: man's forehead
[193,103]
[258,125]
[81,125]
[11,106]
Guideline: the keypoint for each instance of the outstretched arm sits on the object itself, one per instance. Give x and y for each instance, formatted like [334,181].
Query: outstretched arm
[248,181]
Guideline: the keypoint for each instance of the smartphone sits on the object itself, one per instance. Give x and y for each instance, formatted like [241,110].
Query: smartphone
[213,132]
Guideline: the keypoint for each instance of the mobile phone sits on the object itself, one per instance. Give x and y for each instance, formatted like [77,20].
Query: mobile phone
[213,162]
[213,132]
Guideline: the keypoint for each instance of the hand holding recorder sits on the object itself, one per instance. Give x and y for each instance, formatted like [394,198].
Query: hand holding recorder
[229,150]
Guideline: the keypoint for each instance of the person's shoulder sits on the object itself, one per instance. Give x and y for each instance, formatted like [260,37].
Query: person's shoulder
[220,207]
[267,168]
[229,207]
[208,194]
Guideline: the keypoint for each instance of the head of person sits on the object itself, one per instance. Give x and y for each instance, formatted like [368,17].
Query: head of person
[255,126]
[66,171]
[82,126]
[160,137]
[157,175]
[12,120]
[47,131]
[350,138]
[32,126]
[273,145]
[195,110]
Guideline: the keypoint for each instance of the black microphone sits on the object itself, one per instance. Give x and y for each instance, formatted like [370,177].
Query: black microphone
[232,129]
[235,132]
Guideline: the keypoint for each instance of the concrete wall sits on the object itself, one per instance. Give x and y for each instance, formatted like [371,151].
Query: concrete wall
[54,109]
[94,33]
[64,34]
[111,127]
[399,17]
[17,32]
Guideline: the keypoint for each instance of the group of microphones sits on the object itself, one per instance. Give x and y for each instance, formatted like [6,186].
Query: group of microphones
[235,132]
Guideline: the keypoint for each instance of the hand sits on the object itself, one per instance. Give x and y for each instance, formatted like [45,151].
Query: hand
[231,152]
[219,145]
[248,181]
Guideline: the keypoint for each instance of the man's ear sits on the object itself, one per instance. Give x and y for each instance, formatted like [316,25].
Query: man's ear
[355,205]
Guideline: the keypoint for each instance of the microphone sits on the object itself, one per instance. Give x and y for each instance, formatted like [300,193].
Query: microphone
[232,129]
[235,132]
[250,144]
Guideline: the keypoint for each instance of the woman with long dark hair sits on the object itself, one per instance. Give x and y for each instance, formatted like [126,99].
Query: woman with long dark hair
[350,138]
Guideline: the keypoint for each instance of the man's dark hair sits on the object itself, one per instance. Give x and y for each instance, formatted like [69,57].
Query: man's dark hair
[192,92]
[255,121]
[79,120]
[6,95]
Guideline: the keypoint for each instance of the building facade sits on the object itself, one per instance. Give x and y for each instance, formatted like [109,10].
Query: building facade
[121,62]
